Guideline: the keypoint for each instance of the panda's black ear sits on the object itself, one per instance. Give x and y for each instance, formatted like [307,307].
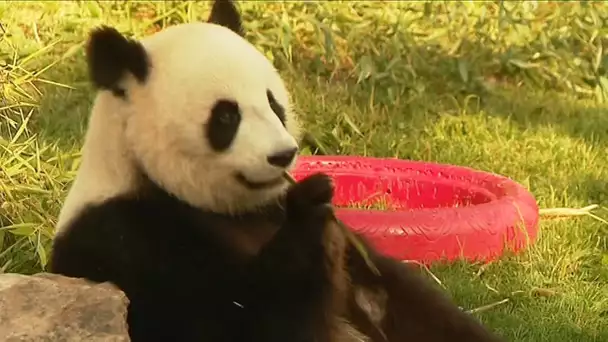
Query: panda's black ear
[224,13]
[110,55]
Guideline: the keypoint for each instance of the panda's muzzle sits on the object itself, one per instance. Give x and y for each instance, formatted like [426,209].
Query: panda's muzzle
[258,185]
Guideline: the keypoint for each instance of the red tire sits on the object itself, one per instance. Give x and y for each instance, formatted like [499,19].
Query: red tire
[435,211]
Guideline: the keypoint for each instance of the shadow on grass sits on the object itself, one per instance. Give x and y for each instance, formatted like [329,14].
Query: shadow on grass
[412,83]
[432,81]
[530,109]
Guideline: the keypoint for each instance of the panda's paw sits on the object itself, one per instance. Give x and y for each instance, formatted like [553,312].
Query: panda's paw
[310,197]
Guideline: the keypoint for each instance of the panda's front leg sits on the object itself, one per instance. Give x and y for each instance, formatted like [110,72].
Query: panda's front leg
[401,304]
[300,275]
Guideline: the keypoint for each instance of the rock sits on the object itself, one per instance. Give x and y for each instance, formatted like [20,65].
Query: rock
[48,307]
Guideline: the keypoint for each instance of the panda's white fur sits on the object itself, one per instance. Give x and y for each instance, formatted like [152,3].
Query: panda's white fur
[207,62]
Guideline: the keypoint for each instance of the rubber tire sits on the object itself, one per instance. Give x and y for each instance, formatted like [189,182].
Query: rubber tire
[423,222]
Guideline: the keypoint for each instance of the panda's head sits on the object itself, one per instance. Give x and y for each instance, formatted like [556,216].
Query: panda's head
[196,108]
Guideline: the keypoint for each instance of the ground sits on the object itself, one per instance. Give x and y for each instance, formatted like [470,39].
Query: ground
[518,89]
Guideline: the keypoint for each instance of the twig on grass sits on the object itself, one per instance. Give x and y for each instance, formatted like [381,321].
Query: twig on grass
[428,270]
[557,212]
[568,212]
[488,306]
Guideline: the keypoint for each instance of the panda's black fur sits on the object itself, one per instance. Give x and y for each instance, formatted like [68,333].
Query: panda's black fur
[271,275]
[186,281]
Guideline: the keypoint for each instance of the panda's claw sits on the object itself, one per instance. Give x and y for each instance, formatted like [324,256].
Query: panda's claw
[309,194]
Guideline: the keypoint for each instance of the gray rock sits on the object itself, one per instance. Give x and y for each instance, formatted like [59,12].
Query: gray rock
[47,307]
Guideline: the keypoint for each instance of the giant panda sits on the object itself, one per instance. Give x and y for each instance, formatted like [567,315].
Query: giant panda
[180,201]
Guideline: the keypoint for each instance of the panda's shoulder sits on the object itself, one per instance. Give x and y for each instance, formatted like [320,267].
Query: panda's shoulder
[132,221]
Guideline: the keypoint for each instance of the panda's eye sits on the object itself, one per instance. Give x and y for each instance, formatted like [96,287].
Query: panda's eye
[228,117]
[225,113]
[223,124]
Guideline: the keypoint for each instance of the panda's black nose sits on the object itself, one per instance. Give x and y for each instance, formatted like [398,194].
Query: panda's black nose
[283,158]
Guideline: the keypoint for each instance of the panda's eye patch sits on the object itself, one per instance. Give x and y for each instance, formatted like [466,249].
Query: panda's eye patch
[223,124]
[275,106]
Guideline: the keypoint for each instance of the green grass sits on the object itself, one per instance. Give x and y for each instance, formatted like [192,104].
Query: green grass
[516,90]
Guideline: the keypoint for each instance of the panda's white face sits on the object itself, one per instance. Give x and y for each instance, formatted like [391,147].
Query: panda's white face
[212,122]
[196,108]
